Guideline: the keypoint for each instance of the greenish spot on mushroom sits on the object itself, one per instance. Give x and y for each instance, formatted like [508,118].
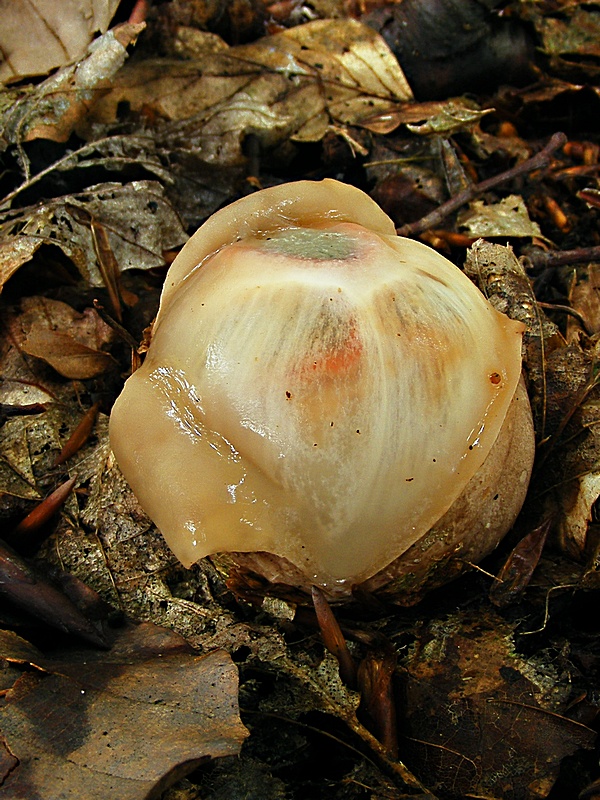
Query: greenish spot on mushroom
[311,244]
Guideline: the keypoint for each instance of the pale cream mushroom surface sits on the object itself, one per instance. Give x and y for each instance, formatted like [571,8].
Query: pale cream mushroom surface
[340,402]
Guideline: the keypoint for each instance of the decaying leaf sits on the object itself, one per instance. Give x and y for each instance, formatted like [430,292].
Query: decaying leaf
[138,219]
[577,501]
[508,218]
[576,34]
[28,446]
[449,117]
[124,724]
[59,33]
[502,278]
[320,688]
[488,722]
[52,109]
[292,85]
[76,354]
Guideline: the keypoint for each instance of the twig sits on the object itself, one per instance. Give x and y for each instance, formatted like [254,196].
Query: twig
[549,259]
[333,638]
[435,218]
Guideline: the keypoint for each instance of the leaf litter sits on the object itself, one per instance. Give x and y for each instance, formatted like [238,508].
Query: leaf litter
[489,701]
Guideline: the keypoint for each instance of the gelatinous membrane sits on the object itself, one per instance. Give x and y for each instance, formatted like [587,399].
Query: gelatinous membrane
[316,389]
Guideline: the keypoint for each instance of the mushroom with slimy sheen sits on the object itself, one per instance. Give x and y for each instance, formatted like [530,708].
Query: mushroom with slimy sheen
[332,403]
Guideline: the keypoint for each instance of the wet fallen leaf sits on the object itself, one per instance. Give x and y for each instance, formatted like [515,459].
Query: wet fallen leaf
[125,724]
[61,33]
[292,85]
[487,722]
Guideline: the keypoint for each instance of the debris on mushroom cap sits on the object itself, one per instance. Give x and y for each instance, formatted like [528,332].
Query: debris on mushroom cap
[316,388]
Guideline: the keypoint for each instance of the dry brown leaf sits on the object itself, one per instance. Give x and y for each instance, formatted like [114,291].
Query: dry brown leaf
[139,221]
[40,35]
[124,724]
[22,387]
[66,355]
[75,355]
[292,85]
[585,298]
[52,109]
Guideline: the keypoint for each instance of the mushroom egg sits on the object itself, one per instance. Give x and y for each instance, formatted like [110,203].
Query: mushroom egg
[320,395]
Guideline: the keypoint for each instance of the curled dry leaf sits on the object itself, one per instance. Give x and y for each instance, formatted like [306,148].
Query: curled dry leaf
[124,724]
[61,32]
[139,221]
[76,354]
[449,117]
[52,109]
[292,85]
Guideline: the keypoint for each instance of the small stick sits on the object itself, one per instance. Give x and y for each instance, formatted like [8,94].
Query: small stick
[436,217]
[333,638]
[79,436]
[550,259]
